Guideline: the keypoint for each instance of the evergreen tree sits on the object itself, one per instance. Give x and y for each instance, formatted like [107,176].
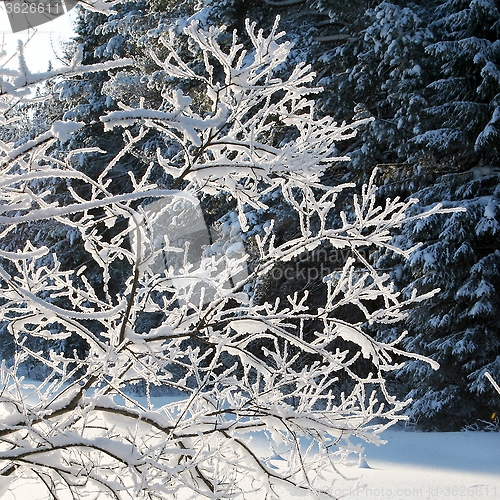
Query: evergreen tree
[460,327]
[465,99]
[429,78]
[387,81]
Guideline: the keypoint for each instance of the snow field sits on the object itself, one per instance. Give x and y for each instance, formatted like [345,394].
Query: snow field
[409,466]
[428,466]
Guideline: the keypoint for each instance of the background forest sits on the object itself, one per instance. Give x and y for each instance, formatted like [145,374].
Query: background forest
[426,72]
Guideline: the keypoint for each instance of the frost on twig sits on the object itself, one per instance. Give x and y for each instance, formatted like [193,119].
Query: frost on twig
[493,382]
[303,376]
[19,83]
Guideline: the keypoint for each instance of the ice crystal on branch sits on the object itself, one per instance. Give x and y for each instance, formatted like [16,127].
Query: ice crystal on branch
[159,317]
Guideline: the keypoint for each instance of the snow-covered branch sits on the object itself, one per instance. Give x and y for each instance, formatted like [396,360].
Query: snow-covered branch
[18,83]
[160,305]
[493,382]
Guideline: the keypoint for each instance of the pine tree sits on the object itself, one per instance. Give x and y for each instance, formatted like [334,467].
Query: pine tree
[465,103]
[460,328]
[394,73]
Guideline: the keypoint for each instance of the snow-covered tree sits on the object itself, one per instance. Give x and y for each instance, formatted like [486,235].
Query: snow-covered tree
[459,328]
[388,80]
[464,102]
[236,365]
[30,109]
[427,73]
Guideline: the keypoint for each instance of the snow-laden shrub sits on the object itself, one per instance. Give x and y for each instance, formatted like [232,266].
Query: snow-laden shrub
[239,365]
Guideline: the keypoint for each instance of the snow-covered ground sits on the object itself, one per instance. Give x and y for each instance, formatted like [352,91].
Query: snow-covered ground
[410,466]
[427,466]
